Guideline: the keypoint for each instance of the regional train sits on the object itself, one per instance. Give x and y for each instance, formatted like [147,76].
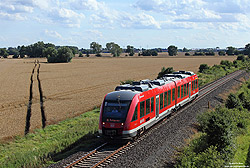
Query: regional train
[133,108]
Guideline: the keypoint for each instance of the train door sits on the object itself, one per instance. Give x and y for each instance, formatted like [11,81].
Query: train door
[189,89]
[157,107]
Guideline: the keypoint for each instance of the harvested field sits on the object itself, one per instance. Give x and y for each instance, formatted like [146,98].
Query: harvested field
[70,89]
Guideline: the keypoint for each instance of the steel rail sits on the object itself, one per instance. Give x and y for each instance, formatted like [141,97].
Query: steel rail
[87,155]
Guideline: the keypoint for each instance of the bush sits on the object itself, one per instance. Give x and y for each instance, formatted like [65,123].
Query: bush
[210,53]
[164,71]
[241,57]
[64,54]
[154,53]
[146,53]
[233,101]
[199,53]
[15,56]
[80,55]
[218,126]
[187,54]
[98,55]
[245,99]
[129,81]
[210,158]
[203,67]
[226,63]
[222,53]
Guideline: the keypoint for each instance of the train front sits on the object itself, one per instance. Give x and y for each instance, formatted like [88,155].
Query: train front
[115,110]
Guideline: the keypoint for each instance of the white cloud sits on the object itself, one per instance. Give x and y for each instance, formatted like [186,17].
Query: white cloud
[142,21]
[94,33]
[53,34]
[86,4]
[66,16]
[222,14]
[15,16]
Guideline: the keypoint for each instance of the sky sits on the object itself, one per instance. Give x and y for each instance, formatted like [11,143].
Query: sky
[140,23]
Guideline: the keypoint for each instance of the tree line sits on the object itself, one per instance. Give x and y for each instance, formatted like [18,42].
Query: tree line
[66,53]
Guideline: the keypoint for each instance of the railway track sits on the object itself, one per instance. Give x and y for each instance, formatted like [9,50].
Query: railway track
[100,156]
[107,152]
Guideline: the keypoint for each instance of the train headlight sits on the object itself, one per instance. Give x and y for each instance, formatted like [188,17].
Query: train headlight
[103,123]
[122,124]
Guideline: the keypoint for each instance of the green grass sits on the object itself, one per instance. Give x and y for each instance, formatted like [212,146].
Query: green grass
[35,149]
[243,147]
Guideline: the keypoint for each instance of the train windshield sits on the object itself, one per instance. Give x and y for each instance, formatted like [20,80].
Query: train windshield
[115,111]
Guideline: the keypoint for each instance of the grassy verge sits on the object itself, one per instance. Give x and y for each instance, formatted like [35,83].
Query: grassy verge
[242,154]
[35,149]
[210,74]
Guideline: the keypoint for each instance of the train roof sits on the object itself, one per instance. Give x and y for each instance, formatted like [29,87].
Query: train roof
[145,85]
[121,95]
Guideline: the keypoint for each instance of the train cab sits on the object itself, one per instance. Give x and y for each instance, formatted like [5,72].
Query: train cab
[114,112]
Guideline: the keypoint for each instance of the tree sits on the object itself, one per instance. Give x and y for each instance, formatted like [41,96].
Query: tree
[172,50]
[185,49]
[87,53]
[80,54]
[97,48]
[247,48]
[164,71]
[154,53]
[13,51]
[203,67]
[3,52]
[230,50]
[50,52]
[63,54]
[221,53]
[146,52]
[130,50]
[115,49]
[22,51]
[74,49]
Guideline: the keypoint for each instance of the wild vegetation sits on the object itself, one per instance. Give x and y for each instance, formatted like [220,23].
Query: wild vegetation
[36,149]
[37,50]
[224,133]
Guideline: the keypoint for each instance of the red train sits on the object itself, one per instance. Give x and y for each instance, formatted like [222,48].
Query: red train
[131,109]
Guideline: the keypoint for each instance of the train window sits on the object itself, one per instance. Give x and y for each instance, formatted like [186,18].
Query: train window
[165,99]
[187,88]
[142,109]
[173,94]
[169,97]
[161,100]
[182,91]
[147,106]
[197,83]
[179,91]
[134,118]
[192,85]
[152,104]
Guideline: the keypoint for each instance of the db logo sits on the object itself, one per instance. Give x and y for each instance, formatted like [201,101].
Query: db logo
[112,125]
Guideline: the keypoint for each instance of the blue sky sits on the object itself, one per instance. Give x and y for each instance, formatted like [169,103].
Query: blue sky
[141,23]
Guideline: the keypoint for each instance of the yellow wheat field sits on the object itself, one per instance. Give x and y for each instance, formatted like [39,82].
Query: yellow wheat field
[70,89]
